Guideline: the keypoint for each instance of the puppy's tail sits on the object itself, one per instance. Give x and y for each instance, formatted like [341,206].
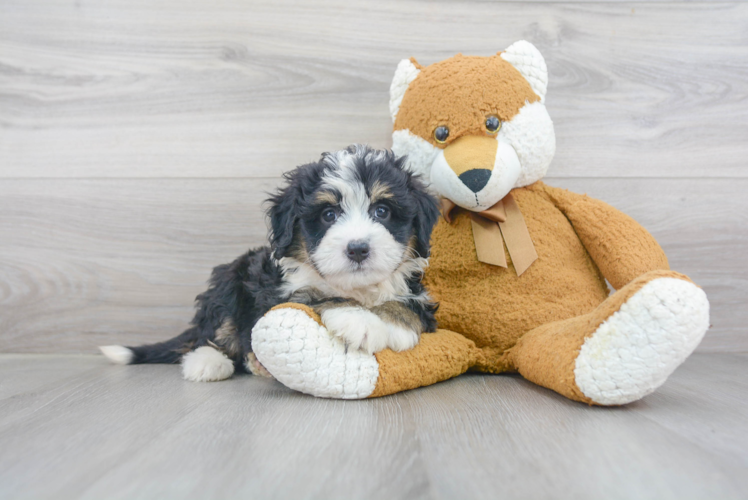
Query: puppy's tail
[170,351]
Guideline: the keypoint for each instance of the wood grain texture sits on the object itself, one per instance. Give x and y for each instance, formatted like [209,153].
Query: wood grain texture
[513,437]
[137,139]
[243,89]
[81,428]
[95,262]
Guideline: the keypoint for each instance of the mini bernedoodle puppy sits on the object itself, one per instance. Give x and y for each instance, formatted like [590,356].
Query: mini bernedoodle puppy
[349,237]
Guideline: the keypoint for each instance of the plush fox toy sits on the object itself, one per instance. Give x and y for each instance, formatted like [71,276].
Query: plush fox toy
[518,267]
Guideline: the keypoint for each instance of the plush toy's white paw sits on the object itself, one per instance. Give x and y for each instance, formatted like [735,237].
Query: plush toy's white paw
[303,356]
[206,364]
[634,351]
[357,327]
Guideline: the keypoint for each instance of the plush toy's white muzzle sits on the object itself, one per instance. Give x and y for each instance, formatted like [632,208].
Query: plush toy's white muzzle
[477,181]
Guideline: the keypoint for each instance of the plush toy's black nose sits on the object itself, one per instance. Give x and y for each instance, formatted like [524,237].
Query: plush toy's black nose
[475,179]
[357,251]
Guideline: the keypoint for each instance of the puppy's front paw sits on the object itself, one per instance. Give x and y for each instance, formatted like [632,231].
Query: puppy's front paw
[357,327]
[206,364]
[401,338]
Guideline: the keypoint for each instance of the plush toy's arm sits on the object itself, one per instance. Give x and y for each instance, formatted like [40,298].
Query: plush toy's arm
[293,345]
[620,246]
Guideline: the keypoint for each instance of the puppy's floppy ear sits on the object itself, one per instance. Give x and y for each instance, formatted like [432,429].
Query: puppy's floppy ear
[426,217]
[284,213]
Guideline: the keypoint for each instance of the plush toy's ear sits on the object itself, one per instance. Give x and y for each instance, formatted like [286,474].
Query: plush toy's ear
[406,72]
[530,63]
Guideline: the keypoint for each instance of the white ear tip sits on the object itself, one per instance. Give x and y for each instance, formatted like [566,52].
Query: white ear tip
[405,73]
[117,354]
[522,46]
[528,60]
[404,63]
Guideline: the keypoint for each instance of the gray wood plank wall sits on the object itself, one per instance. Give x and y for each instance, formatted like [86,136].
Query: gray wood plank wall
[137,139]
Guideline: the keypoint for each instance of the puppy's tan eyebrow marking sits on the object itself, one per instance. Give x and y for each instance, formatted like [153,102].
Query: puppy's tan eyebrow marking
[326,197]
[380,191]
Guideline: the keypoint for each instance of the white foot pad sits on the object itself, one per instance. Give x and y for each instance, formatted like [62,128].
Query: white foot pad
[303,356]
[206,364]
[635,350]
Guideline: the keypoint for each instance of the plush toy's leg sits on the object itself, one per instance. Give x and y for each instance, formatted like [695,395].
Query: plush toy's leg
[293,345]
[624,349]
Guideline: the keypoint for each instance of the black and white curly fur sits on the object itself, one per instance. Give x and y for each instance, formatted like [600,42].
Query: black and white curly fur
[349,236]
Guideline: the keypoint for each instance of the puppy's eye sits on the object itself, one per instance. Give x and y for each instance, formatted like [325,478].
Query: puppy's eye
[440,134]
[493,124]
[329,215]
[382,213]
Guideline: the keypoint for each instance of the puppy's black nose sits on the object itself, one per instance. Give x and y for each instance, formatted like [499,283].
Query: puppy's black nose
[357,251]
[475,179]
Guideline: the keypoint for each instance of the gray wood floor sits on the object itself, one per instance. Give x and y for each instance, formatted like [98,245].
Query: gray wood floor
[77,427]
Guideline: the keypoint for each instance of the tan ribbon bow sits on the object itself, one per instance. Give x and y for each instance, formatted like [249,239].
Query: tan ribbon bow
[501,223]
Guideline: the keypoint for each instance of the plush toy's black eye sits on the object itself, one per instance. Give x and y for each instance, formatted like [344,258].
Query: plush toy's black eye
[329,215]
[440,134]
[382,213]
[493,124]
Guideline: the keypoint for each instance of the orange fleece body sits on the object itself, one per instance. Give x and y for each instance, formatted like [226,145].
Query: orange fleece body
[494,308]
